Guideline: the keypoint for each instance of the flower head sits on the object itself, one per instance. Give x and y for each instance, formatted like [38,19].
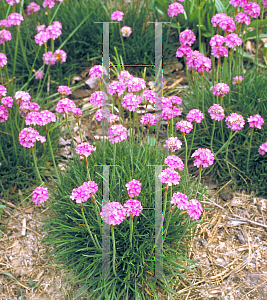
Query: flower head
[15,18]
[240,3]
[28,136]
[187,37]
[242,18]
[252,9]
[12,2]
[194,209]
[221,89]
[97,71]
[133,188]
[169,176]
[173,144]
[181,200]
[237,79]
[216,112]
[49,58]
[40,28]
[195,115]
[5,35]
[117,15]
[22,97]
[117,133]
[148,119]
[133,207]
[204,64]
[194,60]
[41,38]
[175,9]
[98,98]
[217,40]
[32,8]
[39,75]
[126,31]
[116,87]
[65,105]
[150,96]
[235,122]
[174,162]
[255,121]
[40,195]
[232,40]
[53,31]
[113,213]
[46,117]
[3,60]
[60,55]
[263,149]
[136,84]
[85,149]
[49,3]
[64,90]
[7,101]
[125,76]
[183,50]
[219,51]
[5,23]
[203,157]
[131,101]
[84,192]
[184,126]
[3,114]
[77,112]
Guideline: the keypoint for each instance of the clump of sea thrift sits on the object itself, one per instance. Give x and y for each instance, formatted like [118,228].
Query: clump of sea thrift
[180,200]
[263,149]
[173,144]
[84,192]
[203,157]
[85,149]
[133,188]
[28,136]
[174,162]
[40,195]
[194,209]
[255,121]
[132,208]
[113,213]
[235,122]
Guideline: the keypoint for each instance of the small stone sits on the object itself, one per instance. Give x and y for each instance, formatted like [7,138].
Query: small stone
[29,210]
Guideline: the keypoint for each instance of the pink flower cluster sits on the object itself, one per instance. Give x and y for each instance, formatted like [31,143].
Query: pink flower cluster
[3,90]
[7,101]
[136,84]
[252,9]
[174,162]
[50,58]
[184,126]
[117,133]
[196,60]
[181,200]
[39,75]
[107,115]
[117,15]
[240,3]
[5,35]
[235,122]
[85,149]
[126,31]
[148,119]
[195,115]
[32,8]
[194,209]
[64,90]
[232,40]
[28,136]
[113,213]
[133,188]
[3,114]
[203,157]
[216,112]
[169,176]
[187,37]
[242,18]
[3,60]
[255,121]
[125,76]
[40,195]
[84,192]
[150,96]
[237,80]
[173,144]
[132,208]
[26,108]
[15,19]
[183,50]
[40,118]
[65,105]
[175,9]
[223,21]
[221,89]
[98,98]
[263,149]
[131,101]
[97,71]
[21,97]
[116,87]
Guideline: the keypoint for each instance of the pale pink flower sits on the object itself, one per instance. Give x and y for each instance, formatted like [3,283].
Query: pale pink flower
[232,40]
[5,35]
[194,209]
[32,8]
[183,50]
[77,112]
[216,112]
[15,18]
[22,97]
[117,133]
[117,16]
[136,84]
[175,100]
[263,149]
[217,40]
[167,113]
[148,119]
[85,149]
[53,31]
[49,58]
[132,208]
[187,37]
[219,51]
[133,188]
[65,105]
[46,117]
[84,192]
[181,200]
[255,121]
[216,19]
[40,195]
[240,3]
[40,28]
[242,18]
[28,136]
[5,23]
[131,101]
[173,144]
[264,3]
[41,38]
[12,2]
[60,55]
[98,98]
[252,9]
[174,162]
[39,75]
[237,80]
[64,90]
[184,126]
[150,96]
[170,177]
[126,31]
[3,60]
[203,157]
[116,87]
[221,89]
[97,71]
[7,101]
[48,3]
[3,114]
[204,64]
[195,115]
[3,90]
[235,122]
[175,9]
[113,213]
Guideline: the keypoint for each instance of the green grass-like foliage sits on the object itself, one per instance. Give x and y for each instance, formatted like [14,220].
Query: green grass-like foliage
[74,248]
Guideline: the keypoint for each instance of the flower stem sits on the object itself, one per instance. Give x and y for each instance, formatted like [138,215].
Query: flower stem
[122,40]
[199,178]
[51,149]
[114,250]
[165,201]
[131,231]
[147,134]
[249,148]
[87,168]
[194,131]
[167,226]
[30,74]
[186,158]
[66,117]
[2,152]
[212,135]
[227,149]
[35,163]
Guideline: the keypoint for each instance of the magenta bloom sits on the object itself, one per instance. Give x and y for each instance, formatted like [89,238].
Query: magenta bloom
[194,209]
[232,40]
[131,101]
[255,121]
[235,122]
[219,51]
[264,3]
[175,100]
[15,18]
[57,24]
[32,118]
[240,3]
[39,75]
[85,149]
[150,96]
[53,31]
[32,8]
[177,112]
[7,101]
[116,87]
[113,213]
[227,24]
[21,97]
[65,105]
[133,188]
[168,113]
[216,112]
[64,90]
[125,76]
[25,108]
[175,9]
[40,195]
[41,38]
[126,31]
[217,40]
[184,126]
[242,18]
[169,176]
[183,50]
[187,37]
[165,102]
[221,89]
[148,119]
[28,136]
[40,28]
[48,3]
[174,162]
[203,157]
[46,117]
[136,84]
[204,64]
[195,115]
[12,2]
[193,60]
[49,58]
[84,192]
[5,35]
[103,113]
[77,112]
[60,56]
[216,19]
[2,90]
[181,200]
[117,133]
[252,9]
[97,71]
[133,207]
[3,60]
[5,23]
[117,16]
[237,79]
[3,114]
[263,149]
[98,98]
[173,144]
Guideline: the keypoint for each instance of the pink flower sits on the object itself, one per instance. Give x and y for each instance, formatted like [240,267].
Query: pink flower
[40,195]
[32,118]
[232,40]
[3,114]
[126,31]
[27,107]
[263,149]
[48,3]
[103,114]
[21,97]
[169,176]
[46,117]
[53,32]
[133,207]
[117,15]
[32,8]
[5,35]
[235,122]
[98,98]
[194,209]
[39,75]
[217,40]
[216,19]
[174,162]
[252,9]
[3,60]
[242,18]
[173,144]
[223,21]
[113,213]
[133,188]
[136,84]
[40,28]
[237,79]
[41,38]
[5,23]
[221,89]
[255,121]
[181,200]
[150,96]
[131,101]
[85,149]
[117,133]
[7,101]
[240,3]
[28,136]
[15,18]
[165,102]
[203,157]
[204,64]
[116,87]
[49,58]
[194,60]
[187,37]
[125,76]
[2,90]
[195,115]
[175,9]
[97,71]
[216,112]
[175,100]
[148,119]
[60,56]
[84,192]
[77,112]
[65,105]
[219,51]
[184,126]
[167,113]
[12,2]
[264,3]
[183,50]
[64,90]
[177,112]
[57,23]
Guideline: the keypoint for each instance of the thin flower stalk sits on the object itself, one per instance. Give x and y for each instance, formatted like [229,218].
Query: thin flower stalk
[51,149]
[186,157]
[212,135]
[35,164]
[122,40]
[131,230]
[192,141]
[66,117]
[165,201]
[147,134]
[114,250]
[199,178]
[3,155]
[249,149]
[29,77]
[15,59]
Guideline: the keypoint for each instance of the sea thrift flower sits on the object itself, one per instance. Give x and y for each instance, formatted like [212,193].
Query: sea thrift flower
[116,87]
[65,105]
[49,58]
[114,118]
[15,18]
[194,59]
[232,40]
[181,200]
[3,114]
[263,149]
[3,60]
[242,18]
[117,133]
[237,79]
[113,213]
[264,3]
[203,157]
[165,102]
[41,38]
[97,71]
[28,107]
[177,112]
[175,9]
[235,122]
[204,64]
[60,56]
[125,76]
[173,144]
[219,51]
[5,23]
[187,37]
[7,101]
[77,112]
[5,35]
[184,126]
[64,90]
[133,207]
[85,149]
[148,119]
[240,3]
[221,89]
[32,8]
[131,101]
[194,209]
[136,84]
[117,15]
[39,75]
[183,50]
[216,19]
[126,31]
[169,176]
[28,136]
[84,192]
[102,114]
[133,188]
[2,90]
[40,195]
[255,121]
[22,97]
[46,117]
[48,3]
[57,24]
[32,118]
[217,40]
[12,2]
[98,98]
[252,9]
[40,28]
[150,96]
[216,112]
[175,100]
[174,162]
[195,115]
[167,113]
[53,32]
